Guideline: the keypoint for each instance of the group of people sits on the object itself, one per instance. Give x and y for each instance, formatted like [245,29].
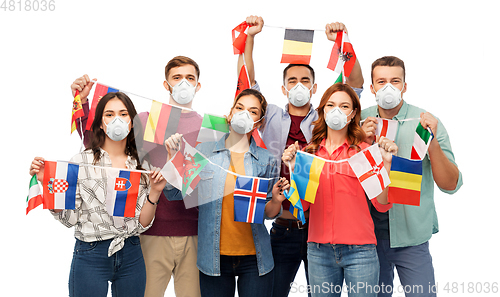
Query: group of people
[346,237]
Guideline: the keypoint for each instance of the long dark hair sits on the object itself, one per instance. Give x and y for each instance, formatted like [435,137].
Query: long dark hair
[355,135]
[99,136]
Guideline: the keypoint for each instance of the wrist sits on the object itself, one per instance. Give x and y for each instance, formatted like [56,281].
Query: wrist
[153,202]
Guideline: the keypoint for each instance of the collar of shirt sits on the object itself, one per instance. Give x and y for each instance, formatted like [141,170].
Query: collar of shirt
[402,114]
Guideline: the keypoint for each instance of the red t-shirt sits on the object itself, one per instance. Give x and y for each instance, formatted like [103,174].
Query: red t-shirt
[340,213]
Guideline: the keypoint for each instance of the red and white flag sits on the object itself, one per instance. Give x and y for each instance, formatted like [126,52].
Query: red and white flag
[387,128]
[239,38]
[342,57]
[368,166]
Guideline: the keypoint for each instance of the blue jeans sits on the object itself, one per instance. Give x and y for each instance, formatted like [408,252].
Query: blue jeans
[289,250]
[250,284]
[415,270]
[92,269]
[330,264]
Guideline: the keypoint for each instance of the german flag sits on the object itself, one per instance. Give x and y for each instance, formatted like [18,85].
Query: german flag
[297,46]
[163,121]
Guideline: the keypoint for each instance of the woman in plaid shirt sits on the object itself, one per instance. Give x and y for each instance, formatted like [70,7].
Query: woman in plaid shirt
[107,248]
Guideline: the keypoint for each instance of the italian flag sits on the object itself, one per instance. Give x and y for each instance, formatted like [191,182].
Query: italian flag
[35,197]
[212,128]
[421,143]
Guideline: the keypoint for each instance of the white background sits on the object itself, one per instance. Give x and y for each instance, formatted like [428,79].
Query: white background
[450,49]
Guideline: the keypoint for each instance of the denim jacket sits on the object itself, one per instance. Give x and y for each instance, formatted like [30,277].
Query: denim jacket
[258,162]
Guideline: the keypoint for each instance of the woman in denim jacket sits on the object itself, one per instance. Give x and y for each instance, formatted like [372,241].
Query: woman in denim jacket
[227,249]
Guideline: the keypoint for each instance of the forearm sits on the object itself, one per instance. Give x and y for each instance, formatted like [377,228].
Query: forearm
[248,55]
[148,209]
[444,172]
[356,80]
[273,208]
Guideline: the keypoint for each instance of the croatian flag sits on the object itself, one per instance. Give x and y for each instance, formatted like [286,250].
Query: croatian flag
[123,190]
[250,199]
[59,185]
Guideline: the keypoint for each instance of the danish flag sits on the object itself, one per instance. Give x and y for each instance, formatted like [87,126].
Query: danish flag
[250,199]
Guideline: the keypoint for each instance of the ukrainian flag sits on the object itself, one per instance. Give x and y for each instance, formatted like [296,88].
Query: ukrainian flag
[292,195]
[297,46]
[406,180]
[306,174]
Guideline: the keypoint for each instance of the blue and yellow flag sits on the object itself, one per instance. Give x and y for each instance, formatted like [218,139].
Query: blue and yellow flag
[306,174]
[406,180]
[295,205]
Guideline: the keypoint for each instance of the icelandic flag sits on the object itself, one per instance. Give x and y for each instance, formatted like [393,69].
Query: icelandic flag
[59,185]
[250,199]
[123,190]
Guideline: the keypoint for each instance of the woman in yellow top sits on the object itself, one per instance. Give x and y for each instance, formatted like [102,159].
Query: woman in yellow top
[226,248]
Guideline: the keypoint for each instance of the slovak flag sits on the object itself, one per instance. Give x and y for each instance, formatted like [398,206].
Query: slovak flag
[59,185]
[368,166]
[123,190]
[250,199]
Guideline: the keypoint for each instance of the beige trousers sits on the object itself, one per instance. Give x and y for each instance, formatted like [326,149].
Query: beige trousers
[167,256]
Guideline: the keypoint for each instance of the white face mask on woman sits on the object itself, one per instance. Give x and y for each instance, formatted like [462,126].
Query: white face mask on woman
[117,129]
[242,123]
[336,119]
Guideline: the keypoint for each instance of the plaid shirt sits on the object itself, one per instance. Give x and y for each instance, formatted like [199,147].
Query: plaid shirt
[90,218]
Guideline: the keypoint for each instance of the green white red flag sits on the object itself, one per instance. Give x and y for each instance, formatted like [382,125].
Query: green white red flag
[421,143]
[35,197]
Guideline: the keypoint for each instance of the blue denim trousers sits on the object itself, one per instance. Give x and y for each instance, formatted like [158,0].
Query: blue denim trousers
[92,269]
[331,264]
[289,250]
[415,270]
[250,284]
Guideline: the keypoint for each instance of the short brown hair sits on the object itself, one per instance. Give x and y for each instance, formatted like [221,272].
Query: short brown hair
[181,61]
[390,61]
[298,65]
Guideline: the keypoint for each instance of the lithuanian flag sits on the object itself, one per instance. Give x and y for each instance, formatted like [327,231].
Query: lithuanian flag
[406,180]
[297,46]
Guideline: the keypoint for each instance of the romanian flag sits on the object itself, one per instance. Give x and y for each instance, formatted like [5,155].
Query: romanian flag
[297,46]
[99,92]
[122,192]
[306,175]
[77,111]
[406,179]
[59,185]
[163,121]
